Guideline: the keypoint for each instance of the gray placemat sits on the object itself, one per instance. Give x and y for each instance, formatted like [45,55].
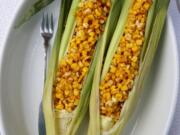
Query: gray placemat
[7,13]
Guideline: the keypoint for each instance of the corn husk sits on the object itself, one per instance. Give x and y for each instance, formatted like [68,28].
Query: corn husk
[63,122]
[94,125]
[154,26]
[34,9]
[52,65]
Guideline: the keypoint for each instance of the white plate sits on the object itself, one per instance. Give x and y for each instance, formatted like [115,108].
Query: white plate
[21,78]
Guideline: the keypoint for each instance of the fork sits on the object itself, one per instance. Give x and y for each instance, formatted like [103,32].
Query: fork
[178,4]
[46,30]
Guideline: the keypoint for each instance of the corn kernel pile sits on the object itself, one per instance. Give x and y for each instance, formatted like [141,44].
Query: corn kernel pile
[90,18]
[118,81]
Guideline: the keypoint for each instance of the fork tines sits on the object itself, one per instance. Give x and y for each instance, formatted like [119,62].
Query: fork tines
[47,25]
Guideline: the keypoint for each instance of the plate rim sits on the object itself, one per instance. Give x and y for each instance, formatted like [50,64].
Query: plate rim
[2,50]
[176,55]
[177,87]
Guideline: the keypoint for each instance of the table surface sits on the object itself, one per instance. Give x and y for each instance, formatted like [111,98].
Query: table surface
[7,8]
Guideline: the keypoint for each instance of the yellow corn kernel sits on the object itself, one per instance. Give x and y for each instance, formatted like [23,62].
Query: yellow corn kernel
[135,48]
[63,62]
[69,109]
[59,95]
[113,69]
[85,69]
[134,59]
[124,88]
[113,90]
[80,33]
[89,4]
[139,42]
[76,92]
[92,34]
[146,6]
[75,85]
[119,97]
[107,95]
[66,92]
[60,106]
[98,13]
[75,66]
[76,102]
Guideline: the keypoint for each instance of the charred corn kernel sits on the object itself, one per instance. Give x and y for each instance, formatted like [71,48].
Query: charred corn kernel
[117,82]
[90,18]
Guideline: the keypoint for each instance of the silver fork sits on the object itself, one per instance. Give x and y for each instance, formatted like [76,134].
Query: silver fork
[178,4]
[46,30]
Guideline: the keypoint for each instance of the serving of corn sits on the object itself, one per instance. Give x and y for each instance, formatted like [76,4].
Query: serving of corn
[102,54]
[66,97]
[119,77]
[90,18]
[118,81]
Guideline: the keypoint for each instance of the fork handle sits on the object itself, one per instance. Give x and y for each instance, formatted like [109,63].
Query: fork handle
[46,48]
[41,121]
[178,4]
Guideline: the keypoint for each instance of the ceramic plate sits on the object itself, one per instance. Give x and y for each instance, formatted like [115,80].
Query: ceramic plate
[21,82]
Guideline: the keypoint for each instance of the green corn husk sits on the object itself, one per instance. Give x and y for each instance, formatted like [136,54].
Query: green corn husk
[36,7]
[155,22]
[94,125]
[63,123]
[48,113]
[159,20]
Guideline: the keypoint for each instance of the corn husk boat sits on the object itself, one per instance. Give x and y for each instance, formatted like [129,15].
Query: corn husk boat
[115,92]
[69,79]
